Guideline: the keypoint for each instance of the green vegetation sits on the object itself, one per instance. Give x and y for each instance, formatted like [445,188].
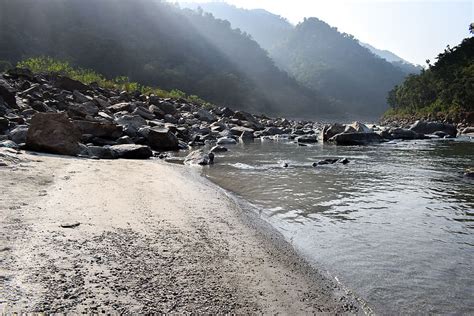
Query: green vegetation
[88,76]
[444,89]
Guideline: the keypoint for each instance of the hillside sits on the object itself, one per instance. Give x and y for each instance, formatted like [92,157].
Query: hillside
[446,88]
[156,44]
[326,61]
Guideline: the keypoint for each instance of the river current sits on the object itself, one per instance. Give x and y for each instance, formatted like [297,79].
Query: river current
[395,225]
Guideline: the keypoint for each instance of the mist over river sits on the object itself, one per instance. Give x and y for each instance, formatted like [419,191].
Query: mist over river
[395,225]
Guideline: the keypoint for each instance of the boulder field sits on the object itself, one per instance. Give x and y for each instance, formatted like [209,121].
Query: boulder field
[55,114]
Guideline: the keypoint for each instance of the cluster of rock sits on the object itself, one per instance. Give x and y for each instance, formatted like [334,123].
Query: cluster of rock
[359,134]
[55,114]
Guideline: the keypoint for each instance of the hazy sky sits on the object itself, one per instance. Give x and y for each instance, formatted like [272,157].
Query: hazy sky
[414,30]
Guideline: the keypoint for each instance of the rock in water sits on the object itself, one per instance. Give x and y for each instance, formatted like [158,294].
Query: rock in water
[199,157]
[307,139]
[401,133]
[358,127]
[219,149]
[469,173]
[130,151]
[53,133]
[355,139]
[423,127]
[330,131]
[226,141]
[162,139]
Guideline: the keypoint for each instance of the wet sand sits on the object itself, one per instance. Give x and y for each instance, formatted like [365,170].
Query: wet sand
[124,236]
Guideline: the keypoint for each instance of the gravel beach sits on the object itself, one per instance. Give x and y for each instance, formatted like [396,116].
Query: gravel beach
[123,236]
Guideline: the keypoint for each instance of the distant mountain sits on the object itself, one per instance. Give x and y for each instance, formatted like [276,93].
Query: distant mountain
[158,44]
[406,66]
[326,61]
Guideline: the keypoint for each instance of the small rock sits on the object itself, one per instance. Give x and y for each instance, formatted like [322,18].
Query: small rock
[70,225]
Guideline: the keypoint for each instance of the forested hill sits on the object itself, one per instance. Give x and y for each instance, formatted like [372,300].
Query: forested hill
[157,44]
[320,57]
[335,64]
[446,88]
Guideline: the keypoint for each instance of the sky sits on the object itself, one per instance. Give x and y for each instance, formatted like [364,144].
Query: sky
[414,30]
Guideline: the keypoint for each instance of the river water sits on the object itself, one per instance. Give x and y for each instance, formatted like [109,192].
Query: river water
[395,225]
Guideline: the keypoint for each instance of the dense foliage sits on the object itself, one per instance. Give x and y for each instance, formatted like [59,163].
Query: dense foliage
[323,59]
[447,86]
[157,44]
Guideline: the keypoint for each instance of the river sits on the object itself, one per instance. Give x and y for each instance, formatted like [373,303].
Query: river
[395,225]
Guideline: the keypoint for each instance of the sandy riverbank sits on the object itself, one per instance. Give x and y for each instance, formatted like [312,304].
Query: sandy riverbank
[152,237]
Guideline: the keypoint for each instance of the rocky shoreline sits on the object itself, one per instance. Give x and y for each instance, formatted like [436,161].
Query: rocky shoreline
[55,114]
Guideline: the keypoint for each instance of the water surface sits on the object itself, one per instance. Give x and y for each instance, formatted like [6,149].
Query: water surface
[396,224]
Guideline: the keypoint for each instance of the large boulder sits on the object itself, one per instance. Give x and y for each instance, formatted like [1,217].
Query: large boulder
[53,133]
[144,112]
[4,124]
[271,131]
[252,122]
[355,139]
[162,139]
[402,133]
[107,130]
[426,128]
[101,152]
[69,84]
[84,109]
[239,130]
[165,106]
[205,115]
[131,123]
[7,92]
[119,107]
[199,157]
[131,151]
[357,127]
[330,131]
[18,134]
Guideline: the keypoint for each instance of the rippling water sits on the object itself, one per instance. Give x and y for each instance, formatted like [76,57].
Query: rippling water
[396,225]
